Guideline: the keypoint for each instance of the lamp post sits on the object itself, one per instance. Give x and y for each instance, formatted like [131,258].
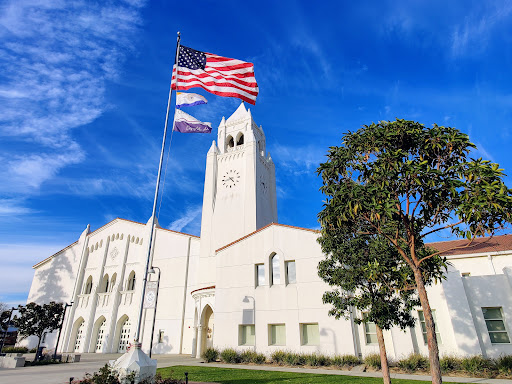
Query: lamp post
[246,300]
[6,329]
[152,270]
[60,328]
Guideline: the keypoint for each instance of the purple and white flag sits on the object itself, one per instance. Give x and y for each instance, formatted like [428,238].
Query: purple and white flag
[189,99]
[185,123]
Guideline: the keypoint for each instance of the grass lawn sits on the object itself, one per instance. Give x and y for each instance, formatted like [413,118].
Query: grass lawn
[239,376]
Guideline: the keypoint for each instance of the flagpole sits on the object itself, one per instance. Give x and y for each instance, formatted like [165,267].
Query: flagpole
[151,235]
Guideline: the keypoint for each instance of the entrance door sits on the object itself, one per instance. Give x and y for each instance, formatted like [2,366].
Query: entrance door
[101,333]
[79,336]
[208,331]
[124,336]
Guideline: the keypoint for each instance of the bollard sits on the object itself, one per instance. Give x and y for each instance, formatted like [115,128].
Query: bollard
[186,377]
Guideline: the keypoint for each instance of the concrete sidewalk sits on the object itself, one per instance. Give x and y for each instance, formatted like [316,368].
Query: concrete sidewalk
[91,362]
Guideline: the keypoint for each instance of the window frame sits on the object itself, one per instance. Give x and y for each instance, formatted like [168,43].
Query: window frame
[276,344]
[241,334]
[502,319]
[367,330]
[271,269]
[303,327]
[256,275]
[436,326]
[287,275]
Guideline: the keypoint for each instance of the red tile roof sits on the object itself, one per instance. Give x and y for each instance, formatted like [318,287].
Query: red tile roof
[479,245]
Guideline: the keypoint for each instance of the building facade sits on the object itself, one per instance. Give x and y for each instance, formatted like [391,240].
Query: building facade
[250,283]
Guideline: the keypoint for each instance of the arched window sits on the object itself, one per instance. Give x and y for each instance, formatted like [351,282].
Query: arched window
[276,274]
[131,282]
[113,282]
[105,284]
[88,286]
[240,139]
[230,142]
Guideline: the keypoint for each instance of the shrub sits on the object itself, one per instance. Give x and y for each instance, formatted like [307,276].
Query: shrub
[414,362]
[33,350]
[229,355]
[158,379]
[477,364]
[450,363]
[15,350]
[504,364]
[291,358]
[210,354]
[373,360]
[316,360]
[278,357]
[252,357]
[106,375]
[345,361]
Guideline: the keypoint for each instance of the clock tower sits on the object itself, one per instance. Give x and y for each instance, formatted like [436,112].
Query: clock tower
[240,185]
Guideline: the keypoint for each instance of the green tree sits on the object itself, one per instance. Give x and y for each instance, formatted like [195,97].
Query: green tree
[369,275]
[36,320]
[406,182]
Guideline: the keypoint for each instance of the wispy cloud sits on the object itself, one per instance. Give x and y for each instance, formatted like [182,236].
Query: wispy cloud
[12,207]
[298,160]
[473,34]
[190,220]
[55,60]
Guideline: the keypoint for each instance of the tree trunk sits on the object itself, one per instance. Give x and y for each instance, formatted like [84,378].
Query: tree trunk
[383,357]
[38,344]
[433,350]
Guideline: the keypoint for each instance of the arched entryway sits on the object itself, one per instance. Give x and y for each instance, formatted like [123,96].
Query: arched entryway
[208,328]
[79,334]
[100,332]
[124,335]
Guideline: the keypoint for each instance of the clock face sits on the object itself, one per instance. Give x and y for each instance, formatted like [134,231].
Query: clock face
[231,178]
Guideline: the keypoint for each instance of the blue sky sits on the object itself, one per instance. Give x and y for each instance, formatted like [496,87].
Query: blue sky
[84,85]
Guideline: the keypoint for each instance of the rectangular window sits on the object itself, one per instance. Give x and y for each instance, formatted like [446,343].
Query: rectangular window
[290,272]
[310,334]
[370,332]
[276,334]
[260,274]
[160,336]
[246,335]
[495,325]
[424,327]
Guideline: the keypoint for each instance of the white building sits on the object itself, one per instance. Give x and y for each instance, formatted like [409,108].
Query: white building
[249,282]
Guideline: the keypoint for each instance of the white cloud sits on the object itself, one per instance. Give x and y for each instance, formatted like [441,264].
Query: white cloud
[473,34]
[11,207]
[190,219]
[298,160]
[56,58]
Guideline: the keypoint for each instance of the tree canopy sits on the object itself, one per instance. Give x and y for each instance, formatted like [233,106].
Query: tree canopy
[404,182]
[36,320]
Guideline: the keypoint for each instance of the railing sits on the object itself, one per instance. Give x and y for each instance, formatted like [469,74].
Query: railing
[126,297]
[235,148]
[103,299]
[83,300]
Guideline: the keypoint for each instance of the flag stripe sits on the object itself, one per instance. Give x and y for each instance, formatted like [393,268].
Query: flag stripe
[248,99]
[186,74]
[209,80]
[219,75]
[219,86]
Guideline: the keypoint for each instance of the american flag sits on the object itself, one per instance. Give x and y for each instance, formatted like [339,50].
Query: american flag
[219,75]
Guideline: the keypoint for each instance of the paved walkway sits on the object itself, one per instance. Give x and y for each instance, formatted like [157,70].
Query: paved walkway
[91,362]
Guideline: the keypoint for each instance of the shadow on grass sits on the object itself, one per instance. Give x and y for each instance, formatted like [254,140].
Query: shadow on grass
[244,376]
